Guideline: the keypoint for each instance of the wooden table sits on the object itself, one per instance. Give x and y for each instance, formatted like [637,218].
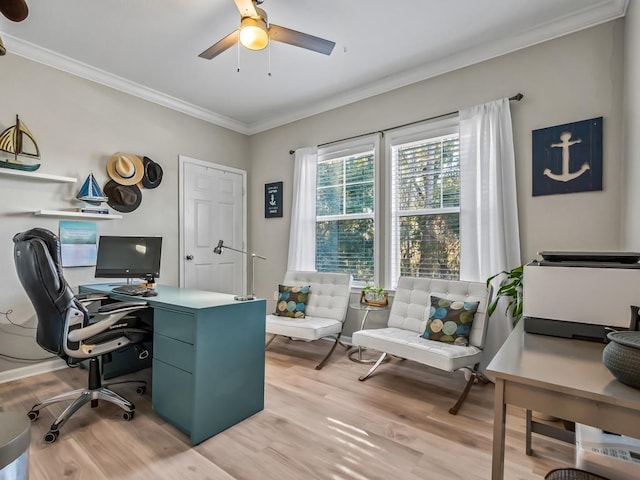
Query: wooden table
[560,377]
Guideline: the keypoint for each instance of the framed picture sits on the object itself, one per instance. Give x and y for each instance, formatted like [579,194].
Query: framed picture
[273,200]
[567,158]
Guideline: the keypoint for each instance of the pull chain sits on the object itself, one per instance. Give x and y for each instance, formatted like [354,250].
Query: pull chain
[269,55]
[238,70]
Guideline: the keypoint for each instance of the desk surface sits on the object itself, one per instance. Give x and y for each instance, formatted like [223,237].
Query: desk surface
[560,364]
[170,296]
[560,377]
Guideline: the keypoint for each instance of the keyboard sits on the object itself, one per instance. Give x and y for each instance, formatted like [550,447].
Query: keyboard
[135,290]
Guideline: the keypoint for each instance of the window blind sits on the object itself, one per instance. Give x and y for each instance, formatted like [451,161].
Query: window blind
[345,207]
[426,207]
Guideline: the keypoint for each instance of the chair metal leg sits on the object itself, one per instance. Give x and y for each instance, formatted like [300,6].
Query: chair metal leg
[141,385]
[86,396]
[472,378]
[113,397]
[58,398]
[362,378]
[333,347]
[273,337]
[93,393]
[70,410]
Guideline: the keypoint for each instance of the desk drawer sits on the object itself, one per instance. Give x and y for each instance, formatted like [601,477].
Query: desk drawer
[172,395]
[174,352]
[180,326]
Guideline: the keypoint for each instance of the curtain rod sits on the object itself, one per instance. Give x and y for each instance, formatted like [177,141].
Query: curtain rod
[517,97]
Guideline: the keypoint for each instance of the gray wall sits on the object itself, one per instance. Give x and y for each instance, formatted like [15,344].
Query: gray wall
[572,78]
[631,116]
[78,125]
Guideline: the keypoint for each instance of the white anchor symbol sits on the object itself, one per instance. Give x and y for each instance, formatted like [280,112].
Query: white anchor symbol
[272,200]
[565,176]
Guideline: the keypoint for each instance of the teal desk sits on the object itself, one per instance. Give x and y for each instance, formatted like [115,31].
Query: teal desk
[208,357]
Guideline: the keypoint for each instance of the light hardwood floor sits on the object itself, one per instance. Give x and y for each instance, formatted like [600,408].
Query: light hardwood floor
[316,425]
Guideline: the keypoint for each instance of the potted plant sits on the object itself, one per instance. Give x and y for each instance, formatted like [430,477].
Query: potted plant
[374,295]
[511,289]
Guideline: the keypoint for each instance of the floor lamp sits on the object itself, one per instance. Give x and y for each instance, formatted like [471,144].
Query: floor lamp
[220,248]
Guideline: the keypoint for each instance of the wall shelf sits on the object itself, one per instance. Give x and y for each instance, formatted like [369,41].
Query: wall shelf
[37,176]
[70,213]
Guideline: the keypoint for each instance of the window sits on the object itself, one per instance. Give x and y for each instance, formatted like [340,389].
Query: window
[345,209]
[424,216]
[405,225]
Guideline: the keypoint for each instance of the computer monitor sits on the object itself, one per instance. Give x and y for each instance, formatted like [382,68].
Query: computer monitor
[128,257]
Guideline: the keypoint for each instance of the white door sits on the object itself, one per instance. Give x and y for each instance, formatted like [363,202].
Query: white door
[213,209]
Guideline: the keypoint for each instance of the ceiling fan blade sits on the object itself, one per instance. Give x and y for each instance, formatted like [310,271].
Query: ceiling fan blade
[14,10]
[219,47]
[246,7]
[299,39]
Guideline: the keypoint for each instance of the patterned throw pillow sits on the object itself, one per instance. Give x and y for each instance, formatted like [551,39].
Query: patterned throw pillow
[292,301]
[450,321]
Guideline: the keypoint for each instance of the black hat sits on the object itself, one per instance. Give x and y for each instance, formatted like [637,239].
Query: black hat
[152,173]
[16,10]
[123,198]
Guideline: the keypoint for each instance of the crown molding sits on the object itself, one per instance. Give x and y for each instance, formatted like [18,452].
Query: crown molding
[602,12]
[66,64]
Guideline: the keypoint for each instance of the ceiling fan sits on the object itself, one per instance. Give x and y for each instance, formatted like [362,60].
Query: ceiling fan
[14,10]
[255,32]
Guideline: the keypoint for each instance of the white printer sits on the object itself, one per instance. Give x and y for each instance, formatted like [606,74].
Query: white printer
[581,294]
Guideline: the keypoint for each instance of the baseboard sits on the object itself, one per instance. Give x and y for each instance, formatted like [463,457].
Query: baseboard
[30,370]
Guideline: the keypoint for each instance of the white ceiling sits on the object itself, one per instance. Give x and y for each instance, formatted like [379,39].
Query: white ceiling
[150,48]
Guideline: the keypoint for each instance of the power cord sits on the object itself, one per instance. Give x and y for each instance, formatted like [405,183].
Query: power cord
[9,312]
[20,359]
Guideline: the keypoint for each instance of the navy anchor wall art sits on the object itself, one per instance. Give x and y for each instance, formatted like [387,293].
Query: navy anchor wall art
[568,158]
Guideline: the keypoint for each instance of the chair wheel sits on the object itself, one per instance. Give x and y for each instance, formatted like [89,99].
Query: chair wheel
[141,390]
[128,416]
[51,436]
[33,415]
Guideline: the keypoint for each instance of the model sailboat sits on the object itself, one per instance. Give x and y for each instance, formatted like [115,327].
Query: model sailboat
[91,192]
[19,141]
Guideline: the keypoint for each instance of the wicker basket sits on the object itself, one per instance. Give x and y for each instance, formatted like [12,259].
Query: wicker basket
[622,356]
[571,474]
[375,303]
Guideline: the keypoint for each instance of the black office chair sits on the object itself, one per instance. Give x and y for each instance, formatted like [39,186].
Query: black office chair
[67,329]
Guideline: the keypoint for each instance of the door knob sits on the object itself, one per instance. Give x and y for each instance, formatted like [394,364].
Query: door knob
[189,257]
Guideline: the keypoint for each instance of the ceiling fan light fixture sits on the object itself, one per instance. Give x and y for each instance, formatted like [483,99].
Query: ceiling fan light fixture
[253,33]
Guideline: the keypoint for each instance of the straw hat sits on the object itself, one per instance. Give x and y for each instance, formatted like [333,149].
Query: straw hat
[123,198]
[152,173]
[125,168]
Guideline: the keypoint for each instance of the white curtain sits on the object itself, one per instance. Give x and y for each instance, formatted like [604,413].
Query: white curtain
[489,236]
[302,236]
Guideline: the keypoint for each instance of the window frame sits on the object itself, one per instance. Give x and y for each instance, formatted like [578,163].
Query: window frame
[350,148]
[414,133]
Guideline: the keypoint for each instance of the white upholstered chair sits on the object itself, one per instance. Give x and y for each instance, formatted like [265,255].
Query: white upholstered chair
[407,321]
[325,312]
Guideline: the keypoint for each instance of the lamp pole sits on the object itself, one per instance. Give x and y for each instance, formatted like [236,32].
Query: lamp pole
[220,248]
